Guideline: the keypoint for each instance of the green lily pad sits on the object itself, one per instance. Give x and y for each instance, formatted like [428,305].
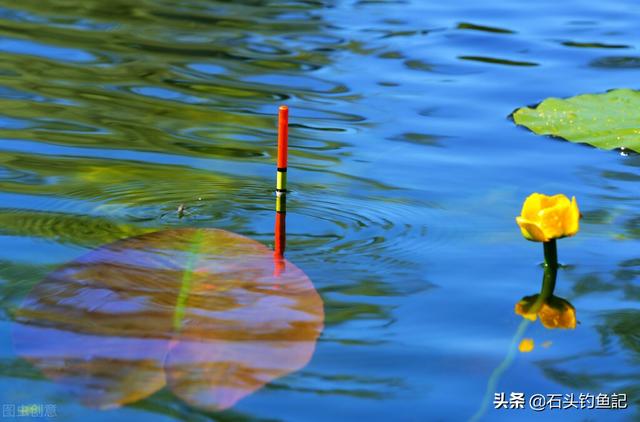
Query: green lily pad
[607,121]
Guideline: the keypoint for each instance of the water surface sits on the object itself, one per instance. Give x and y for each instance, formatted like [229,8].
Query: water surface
[406,175]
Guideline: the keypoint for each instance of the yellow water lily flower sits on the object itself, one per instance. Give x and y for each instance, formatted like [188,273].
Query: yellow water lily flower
[544,218]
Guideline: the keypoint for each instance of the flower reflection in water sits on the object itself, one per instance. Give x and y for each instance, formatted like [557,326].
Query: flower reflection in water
[554,311]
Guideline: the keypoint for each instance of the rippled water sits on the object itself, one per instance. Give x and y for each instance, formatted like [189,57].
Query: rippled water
[406,176]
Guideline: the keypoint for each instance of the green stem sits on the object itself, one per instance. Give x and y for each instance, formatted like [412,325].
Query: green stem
[548,286]
[550,268]
[499,371]
[551,254]
[550,274]
[548,282]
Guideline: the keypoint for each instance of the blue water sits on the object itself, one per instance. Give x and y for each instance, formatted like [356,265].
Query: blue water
[406,176]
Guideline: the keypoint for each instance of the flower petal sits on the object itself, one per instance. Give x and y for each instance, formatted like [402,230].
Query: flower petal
[531,206]
[558,200]
[552,221]
[572,219]
[530,230]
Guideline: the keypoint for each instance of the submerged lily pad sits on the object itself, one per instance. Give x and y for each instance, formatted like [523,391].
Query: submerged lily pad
[607,121]
[208,313]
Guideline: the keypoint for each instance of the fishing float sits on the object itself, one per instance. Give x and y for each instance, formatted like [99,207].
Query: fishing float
[281,182]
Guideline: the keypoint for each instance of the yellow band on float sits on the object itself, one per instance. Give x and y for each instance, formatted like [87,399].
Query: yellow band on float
[281,180]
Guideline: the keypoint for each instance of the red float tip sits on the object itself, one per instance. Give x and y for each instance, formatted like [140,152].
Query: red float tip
[283,136]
